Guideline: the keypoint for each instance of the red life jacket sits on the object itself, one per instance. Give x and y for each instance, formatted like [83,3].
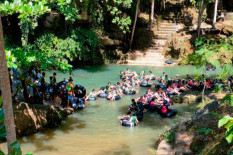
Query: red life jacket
[152,103]
[164,109]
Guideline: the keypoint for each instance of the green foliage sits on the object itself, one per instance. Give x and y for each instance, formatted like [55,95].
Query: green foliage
[16,150]
[120,18]
[205,131]
[215,114]
[218,88]
[169,136]
[29,11]
[198,3]
[228,99]
[218,53]
[52,52]
[227,122]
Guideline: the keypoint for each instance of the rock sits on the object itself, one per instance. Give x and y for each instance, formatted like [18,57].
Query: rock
[164,148]
[30,118]
[183,126]
[177,99]
[182,143]
[189,98]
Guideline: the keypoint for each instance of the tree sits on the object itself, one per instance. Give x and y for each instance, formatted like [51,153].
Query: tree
[215,13]
[134,24]
[152,14]
[6,95]
[201,5]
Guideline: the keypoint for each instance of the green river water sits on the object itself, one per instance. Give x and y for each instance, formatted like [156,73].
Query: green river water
[96,130]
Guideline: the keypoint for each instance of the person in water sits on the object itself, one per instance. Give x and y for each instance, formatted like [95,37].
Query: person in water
[92,95]
[125,117]
[165,108]
[151,75]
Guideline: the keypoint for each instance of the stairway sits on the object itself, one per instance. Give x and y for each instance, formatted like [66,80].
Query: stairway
[154,56]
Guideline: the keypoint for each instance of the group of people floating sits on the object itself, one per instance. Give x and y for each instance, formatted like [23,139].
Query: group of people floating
[160,100]
[36,90]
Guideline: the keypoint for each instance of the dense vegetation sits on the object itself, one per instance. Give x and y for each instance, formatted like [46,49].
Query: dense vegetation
[60,34]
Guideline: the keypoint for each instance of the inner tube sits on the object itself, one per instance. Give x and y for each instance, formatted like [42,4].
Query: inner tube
[129,92]
[79,91]
[210,69]
[91,99]
[78,103]
[47,95]
[128,123]
[145,85]
[169,114]
[153,78]
[103,95]
[169,62]
[116,98]
[153,107]
[140,115]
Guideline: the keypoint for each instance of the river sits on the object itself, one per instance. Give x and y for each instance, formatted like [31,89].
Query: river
[96,130]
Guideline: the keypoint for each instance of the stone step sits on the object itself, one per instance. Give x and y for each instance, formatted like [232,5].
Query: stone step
[156,49]
[149,54]
[150,59]
[159,41]
[164,32]
[165,27]
[166,23]
[162,37]
[146,63]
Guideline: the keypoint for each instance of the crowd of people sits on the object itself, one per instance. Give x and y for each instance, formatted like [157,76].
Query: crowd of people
[159,100]
[112,92]
[36,90]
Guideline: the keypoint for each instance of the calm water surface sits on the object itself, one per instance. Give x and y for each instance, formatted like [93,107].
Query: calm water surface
[96,129]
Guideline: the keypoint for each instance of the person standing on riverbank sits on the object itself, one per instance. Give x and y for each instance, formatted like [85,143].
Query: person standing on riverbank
[70,88]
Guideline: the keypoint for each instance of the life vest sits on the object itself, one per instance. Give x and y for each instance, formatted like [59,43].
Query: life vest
[164,109]
[152,103]
[68,87]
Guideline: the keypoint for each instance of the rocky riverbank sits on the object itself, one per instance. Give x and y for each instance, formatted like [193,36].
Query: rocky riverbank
[30,119]
[200,134]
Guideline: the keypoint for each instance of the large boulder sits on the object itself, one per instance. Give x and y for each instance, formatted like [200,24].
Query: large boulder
[31,118]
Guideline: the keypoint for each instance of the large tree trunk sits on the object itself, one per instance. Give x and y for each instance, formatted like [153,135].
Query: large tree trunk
[152,14]
[134,25]
[215,13]
[6,94]
[201,11]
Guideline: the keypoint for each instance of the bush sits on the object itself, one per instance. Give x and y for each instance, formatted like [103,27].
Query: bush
[169,136]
